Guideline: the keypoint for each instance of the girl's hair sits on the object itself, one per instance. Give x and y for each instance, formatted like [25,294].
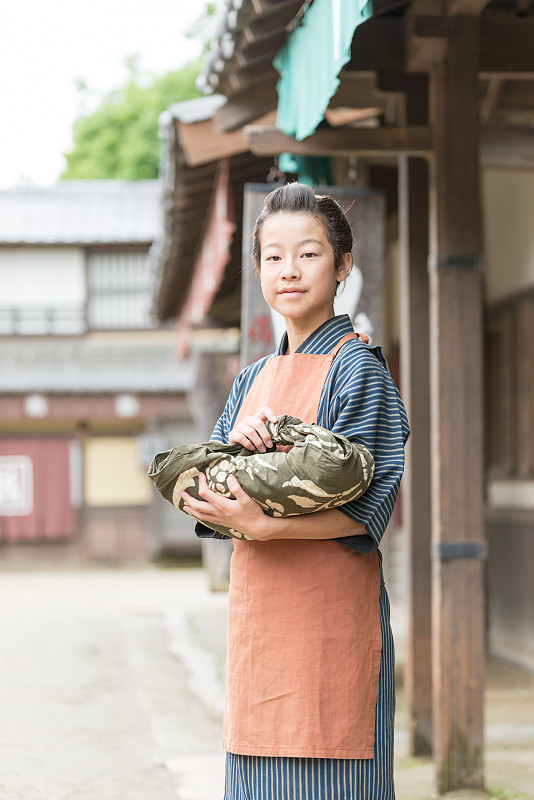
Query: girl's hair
[297,198]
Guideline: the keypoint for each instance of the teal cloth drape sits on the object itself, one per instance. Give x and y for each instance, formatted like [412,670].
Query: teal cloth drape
[311,60]
[312,170]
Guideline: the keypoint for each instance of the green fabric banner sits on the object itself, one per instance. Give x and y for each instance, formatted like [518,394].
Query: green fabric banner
[311,60]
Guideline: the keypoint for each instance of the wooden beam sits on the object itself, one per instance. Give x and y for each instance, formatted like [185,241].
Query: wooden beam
[468,7]
[276,15]
[360,90]
[257,51]
[457,474]
[506,76]
[502,146]
[415,387]
[202,142]
[238,79]
[270,6]
[424,45]
[491,100]
[247,106]
[506,44]
[265,140]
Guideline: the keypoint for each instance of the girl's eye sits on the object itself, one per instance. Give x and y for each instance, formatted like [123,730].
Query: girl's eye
[273,258]
[308,255]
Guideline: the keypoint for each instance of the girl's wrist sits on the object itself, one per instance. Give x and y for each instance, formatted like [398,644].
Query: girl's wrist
[270,528]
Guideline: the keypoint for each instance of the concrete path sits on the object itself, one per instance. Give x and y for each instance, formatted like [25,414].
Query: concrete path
[112,689]
[93,703]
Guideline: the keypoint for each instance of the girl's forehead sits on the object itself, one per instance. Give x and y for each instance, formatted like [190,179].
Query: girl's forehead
[292,224]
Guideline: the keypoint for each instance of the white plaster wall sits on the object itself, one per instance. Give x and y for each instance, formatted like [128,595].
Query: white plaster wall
[508,204]
[38,276]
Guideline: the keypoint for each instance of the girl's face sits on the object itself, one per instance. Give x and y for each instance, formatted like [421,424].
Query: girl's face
[298,278]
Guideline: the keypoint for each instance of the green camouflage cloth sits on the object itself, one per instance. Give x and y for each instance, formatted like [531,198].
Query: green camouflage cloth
[323,470]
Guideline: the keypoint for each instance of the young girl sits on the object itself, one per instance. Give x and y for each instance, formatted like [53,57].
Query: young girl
[310,672]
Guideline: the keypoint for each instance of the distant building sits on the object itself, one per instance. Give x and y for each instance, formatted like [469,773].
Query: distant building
[89,388]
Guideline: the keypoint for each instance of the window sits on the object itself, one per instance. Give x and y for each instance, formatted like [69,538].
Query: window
[509,388]
[119,293]
[43,291]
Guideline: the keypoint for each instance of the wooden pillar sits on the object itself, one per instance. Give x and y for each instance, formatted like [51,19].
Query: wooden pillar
[415,384]
[458,546]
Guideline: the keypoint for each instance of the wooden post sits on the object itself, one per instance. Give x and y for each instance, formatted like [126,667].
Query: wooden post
[415,385]
[458,546]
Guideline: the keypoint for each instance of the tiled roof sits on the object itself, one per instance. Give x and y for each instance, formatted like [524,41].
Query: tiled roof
[81,212]
[82,367]
[190,111]
[248,35]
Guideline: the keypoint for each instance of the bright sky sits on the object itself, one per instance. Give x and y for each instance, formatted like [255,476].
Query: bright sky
[45,45]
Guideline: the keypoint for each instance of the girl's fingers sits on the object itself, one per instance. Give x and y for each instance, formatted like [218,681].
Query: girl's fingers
[254,430]
[236,437]
[252,434]
[269,414]
[236,489]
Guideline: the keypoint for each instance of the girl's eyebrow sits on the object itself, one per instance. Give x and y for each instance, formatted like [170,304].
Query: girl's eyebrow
[299,244]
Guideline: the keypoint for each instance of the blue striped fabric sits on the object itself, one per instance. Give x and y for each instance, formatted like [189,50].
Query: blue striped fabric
[277,778]
[360,401]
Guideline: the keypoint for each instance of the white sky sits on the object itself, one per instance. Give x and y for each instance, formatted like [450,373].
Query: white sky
[45,45]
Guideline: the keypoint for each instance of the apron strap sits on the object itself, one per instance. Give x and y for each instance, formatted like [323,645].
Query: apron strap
[362,336]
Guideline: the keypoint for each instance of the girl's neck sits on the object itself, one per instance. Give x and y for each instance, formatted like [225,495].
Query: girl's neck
[297,334]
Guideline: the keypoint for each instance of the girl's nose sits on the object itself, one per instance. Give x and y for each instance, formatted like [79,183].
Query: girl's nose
[290,269]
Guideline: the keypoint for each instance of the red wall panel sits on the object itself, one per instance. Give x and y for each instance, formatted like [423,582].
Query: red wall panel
[51,515]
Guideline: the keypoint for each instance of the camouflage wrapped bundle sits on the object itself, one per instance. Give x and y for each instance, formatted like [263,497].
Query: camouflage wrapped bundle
[321,470]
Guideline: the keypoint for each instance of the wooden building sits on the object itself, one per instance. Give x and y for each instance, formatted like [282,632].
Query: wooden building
[89,389]
[433,104]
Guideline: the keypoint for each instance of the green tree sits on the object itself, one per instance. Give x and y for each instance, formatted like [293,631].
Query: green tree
[120,138]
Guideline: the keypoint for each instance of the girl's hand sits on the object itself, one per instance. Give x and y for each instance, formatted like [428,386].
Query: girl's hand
[251,431]
[243,514]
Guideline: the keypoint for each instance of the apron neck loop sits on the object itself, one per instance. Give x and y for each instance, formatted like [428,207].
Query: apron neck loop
[362,336]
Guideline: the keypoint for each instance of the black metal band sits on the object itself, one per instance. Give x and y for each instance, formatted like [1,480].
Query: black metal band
[446,551]
[469,263]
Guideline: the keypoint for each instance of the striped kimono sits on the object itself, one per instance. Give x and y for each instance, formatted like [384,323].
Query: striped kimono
[360,401]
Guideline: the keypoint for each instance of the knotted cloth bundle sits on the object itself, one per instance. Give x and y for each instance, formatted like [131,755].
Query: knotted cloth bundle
[322,470]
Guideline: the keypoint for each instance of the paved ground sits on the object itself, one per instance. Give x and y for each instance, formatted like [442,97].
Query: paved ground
[93,703]
[112,683]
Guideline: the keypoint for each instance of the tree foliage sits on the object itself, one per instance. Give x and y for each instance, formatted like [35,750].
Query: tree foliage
[120,138]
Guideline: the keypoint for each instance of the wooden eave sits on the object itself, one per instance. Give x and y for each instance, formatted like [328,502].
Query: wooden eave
[260,32]
[187,206]
[385,141]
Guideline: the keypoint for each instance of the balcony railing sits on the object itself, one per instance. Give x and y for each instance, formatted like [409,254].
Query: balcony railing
[42,320]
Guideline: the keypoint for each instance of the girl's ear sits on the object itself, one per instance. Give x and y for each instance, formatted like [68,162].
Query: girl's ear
[344,267]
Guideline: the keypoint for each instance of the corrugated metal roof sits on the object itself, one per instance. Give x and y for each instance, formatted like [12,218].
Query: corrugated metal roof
[81,367]
[81,212]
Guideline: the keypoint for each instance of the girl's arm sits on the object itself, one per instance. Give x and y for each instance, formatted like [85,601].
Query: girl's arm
[245,515]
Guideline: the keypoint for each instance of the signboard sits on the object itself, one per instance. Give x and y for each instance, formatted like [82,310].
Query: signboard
[362,296]
[16,486]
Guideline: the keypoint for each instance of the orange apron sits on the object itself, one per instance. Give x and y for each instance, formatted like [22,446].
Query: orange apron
[304,636]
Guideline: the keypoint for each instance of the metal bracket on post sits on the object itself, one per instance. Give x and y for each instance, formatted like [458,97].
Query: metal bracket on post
[446,551]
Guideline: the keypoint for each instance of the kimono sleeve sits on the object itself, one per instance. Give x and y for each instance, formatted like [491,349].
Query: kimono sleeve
[224,425]
[366,408]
